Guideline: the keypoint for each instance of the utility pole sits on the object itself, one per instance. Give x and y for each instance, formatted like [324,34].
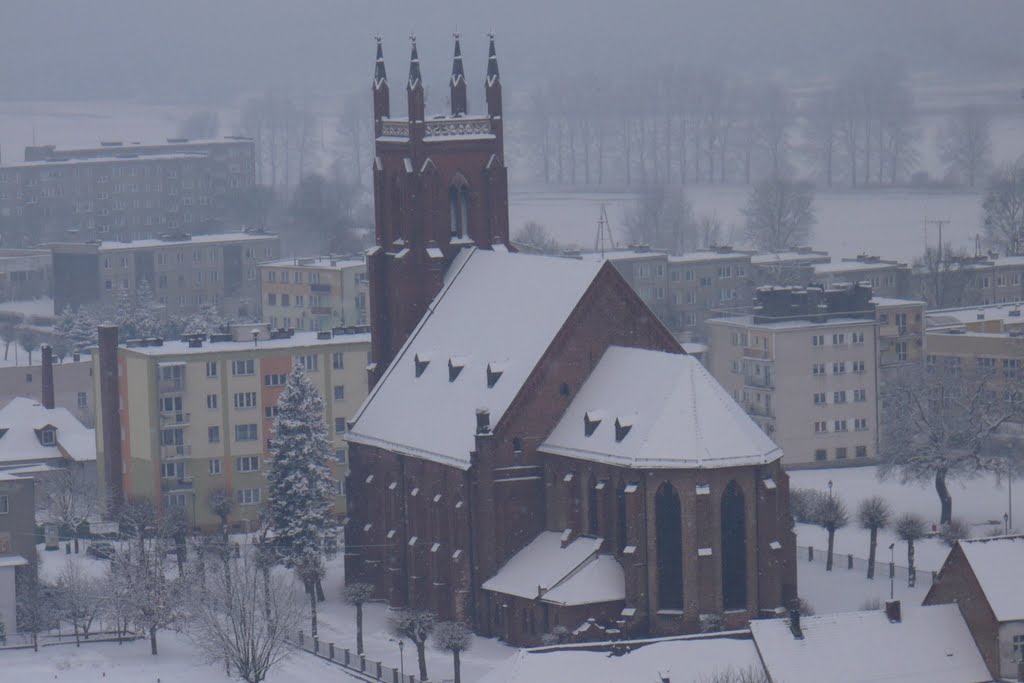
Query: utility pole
[604,232]
[939,223]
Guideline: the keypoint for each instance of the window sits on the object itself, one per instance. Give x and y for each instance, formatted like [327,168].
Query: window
[1011,368]
[820,454]
[338,360]
[841,453]
[298,301]
[274,380]
[271,411]
[211,368]
[171,470]
[213,434]
[839,426]
[211,401]
[458,209]
[247,463]
[818,340]
[839,397]
[48,437]
[857,338]
[860,395]
[341,456]
[271,299]
[901,351]
[819,399]
[838,339]
[245,399]
[861,452]
[246,432]
[83,400]
[952,365]
[858,366]
[901,323]
[818,369]
[860,424]
[820,427]
[839,368]
[339,392]
[4,506]
[339,425]
[248,496]
[309,362]
[243,367]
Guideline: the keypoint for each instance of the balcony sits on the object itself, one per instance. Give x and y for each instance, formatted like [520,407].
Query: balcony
[322,310]
[751,352]
[170,385]
[179,484]
[759,381]
[316,287]
[759,410]
[171,419]
[174,451]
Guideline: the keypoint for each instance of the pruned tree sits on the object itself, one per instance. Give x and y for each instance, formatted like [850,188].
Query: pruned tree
[29,340]
[873,514]
[965,143]
[910,528]
[662,218]
[79,598]
[8,335]
[780,214]
[300,487]
[357,595]
[221,503]
[70,499]
[954,530]
[415,625]
[243,620]
[940,419]
[200,125]
[454,637]
[831,516]
[1003,209]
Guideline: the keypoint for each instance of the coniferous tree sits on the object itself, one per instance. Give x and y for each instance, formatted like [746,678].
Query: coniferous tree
[300,489]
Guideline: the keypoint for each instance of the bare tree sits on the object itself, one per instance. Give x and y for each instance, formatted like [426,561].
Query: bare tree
[200,125]
[965,143]
[939,421]
[831,516]
[8,335]
[780,214]
[821,132]
[775,117]
[873,514]
[454,637]
[79,598]
[357,595]
[537,237]
[910,528]
[36,605]
[241,619]
[953,531]
[70,499]
[944,276]
[415,625]
[29,340]
[663,219]
[1003,209]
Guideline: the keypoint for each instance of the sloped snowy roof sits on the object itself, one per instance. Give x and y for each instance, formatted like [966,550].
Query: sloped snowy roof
[930,645]
[697,658]
[573,575]
[494,308]
[23,416]
[673,412]
[998,563]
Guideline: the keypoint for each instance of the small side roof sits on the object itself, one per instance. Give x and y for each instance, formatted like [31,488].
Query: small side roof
[930,645]
[646,409]
[998,564]
[22,417]
[13,561]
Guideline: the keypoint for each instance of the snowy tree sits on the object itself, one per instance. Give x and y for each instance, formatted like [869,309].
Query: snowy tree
[537,237]
[146,311]
[83,330]
[415,625]
[36,605]
[940,421]
[954,531]
[357,595]
[64,323]
[779,214]
[70,499]
[831,516]
[910,528]
[243,620]
[873,514]
[29,340]
[1003,209]
[8,335]
[300,488]
[79,598]
[454,637]
[150,599]
[965,143]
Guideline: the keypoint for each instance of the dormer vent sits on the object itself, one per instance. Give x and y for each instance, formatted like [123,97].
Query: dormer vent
[622,427]
[455,366]
[591,421]
[494,372]
[422,360]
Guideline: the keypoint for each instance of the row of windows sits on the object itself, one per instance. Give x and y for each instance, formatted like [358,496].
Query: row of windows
[643,271]
[841,453]
[295,276]
[247,367]
[860,424]
[953,365]
[838,338]
[839,397]
[839,367]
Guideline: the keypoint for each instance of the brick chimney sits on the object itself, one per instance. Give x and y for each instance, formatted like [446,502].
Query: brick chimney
[483,421]
[110,417]
[47,383]
[892,611]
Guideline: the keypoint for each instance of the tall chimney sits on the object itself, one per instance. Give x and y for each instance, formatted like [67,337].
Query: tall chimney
[892,611]
[47,385]
[483,421]
[110,418]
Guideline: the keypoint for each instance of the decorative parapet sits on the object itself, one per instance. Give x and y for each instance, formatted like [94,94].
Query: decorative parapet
[396,129]
[456,127]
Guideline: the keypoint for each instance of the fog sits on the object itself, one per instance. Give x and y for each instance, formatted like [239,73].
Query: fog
[196,50]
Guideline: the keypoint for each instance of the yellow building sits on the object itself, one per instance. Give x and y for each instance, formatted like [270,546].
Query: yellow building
[314,293]
[182,419]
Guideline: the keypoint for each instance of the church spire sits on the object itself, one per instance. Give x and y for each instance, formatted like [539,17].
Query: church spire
[458,82]
[492,63]
[380,74]
[381,92]
[493,83]
[414,88]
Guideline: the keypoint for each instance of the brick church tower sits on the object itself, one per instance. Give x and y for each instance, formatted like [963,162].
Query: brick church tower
[440,184]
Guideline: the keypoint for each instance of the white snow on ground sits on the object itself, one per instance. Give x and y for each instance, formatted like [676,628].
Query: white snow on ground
[42,306]
[849,590]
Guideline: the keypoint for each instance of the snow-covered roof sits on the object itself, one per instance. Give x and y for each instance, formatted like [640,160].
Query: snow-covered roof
[494,309]
[573,575]
[702,256]
[13,561]
[23,417]
[998,564]
[220,238]
[855,266]
[317,262]
[657,409]
[118,154]
[790,257]
[748,321]
[930,645]
[695,658]
[1008,312]
[887,302]
[298,340]
[624,255]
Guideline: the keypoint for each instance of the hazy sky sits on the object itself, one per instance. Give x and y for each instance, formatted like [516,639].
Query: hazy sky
[178,50]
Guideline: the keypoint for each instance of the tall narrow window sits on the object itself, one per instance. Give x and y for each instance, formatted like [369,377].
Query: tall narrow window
[669,547]
[620,515]
[453,211]
[593,509]
[458,208]
[734,548]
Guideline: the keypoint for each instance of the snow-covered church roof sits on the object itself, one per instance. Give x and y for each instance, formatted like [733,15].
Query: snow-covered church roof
[480,339]
[644,409]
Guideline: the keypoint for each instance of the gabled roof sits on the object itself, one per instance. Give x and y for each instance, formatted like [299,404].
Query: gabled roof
[572,575]
[495,308]
[656,409]
[22,418]
[930,645]
[998,564]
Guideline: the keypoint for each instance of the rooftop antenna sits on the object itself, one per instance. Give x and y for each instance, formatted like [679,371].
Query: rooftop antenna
[604,232]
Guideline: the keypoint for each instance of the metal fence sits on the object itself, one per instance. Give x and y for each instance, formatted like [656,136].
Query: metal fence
[883,568]
[353,663]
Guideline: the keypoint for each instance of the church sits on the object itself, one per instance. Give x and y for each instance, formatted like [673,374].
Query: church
[537,452]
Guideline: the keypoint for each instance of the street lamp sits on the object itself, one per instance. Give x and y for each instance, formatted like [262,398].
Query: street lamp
[1006,522]
[401,655]
[892,571]
[829,488]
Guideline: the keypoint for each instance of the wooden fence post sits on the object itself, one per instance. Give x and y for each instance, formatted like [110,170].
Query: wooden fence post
[331,649]
[849,561]
[810,553]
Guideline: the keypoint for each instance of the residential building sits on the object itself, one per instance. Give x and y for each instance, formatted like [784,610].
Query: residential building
[180,419]
[980,576]
[785,268]
[315,293]
[900,334]
[25,274]
[526,454]
[887,278]
[183,271]
[17,542]
[805,367]
[119,191]
[72,382]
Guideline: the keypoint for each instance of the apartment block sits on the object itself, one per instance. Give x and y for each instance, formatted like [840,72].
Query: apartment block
[122,191]
[180,419]
[887,278]
[804,366]
[315,293]
[25,274]
[184,271]
[900,334]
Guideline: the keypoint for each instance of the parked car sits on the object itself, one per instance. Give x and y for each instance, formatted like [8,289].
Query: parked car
[101,550]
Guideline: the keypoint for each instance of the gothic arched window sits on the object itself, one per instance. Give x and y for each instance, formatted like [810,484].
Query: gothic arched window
[668,522]
[734,548]
[458,208]
[593,508]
